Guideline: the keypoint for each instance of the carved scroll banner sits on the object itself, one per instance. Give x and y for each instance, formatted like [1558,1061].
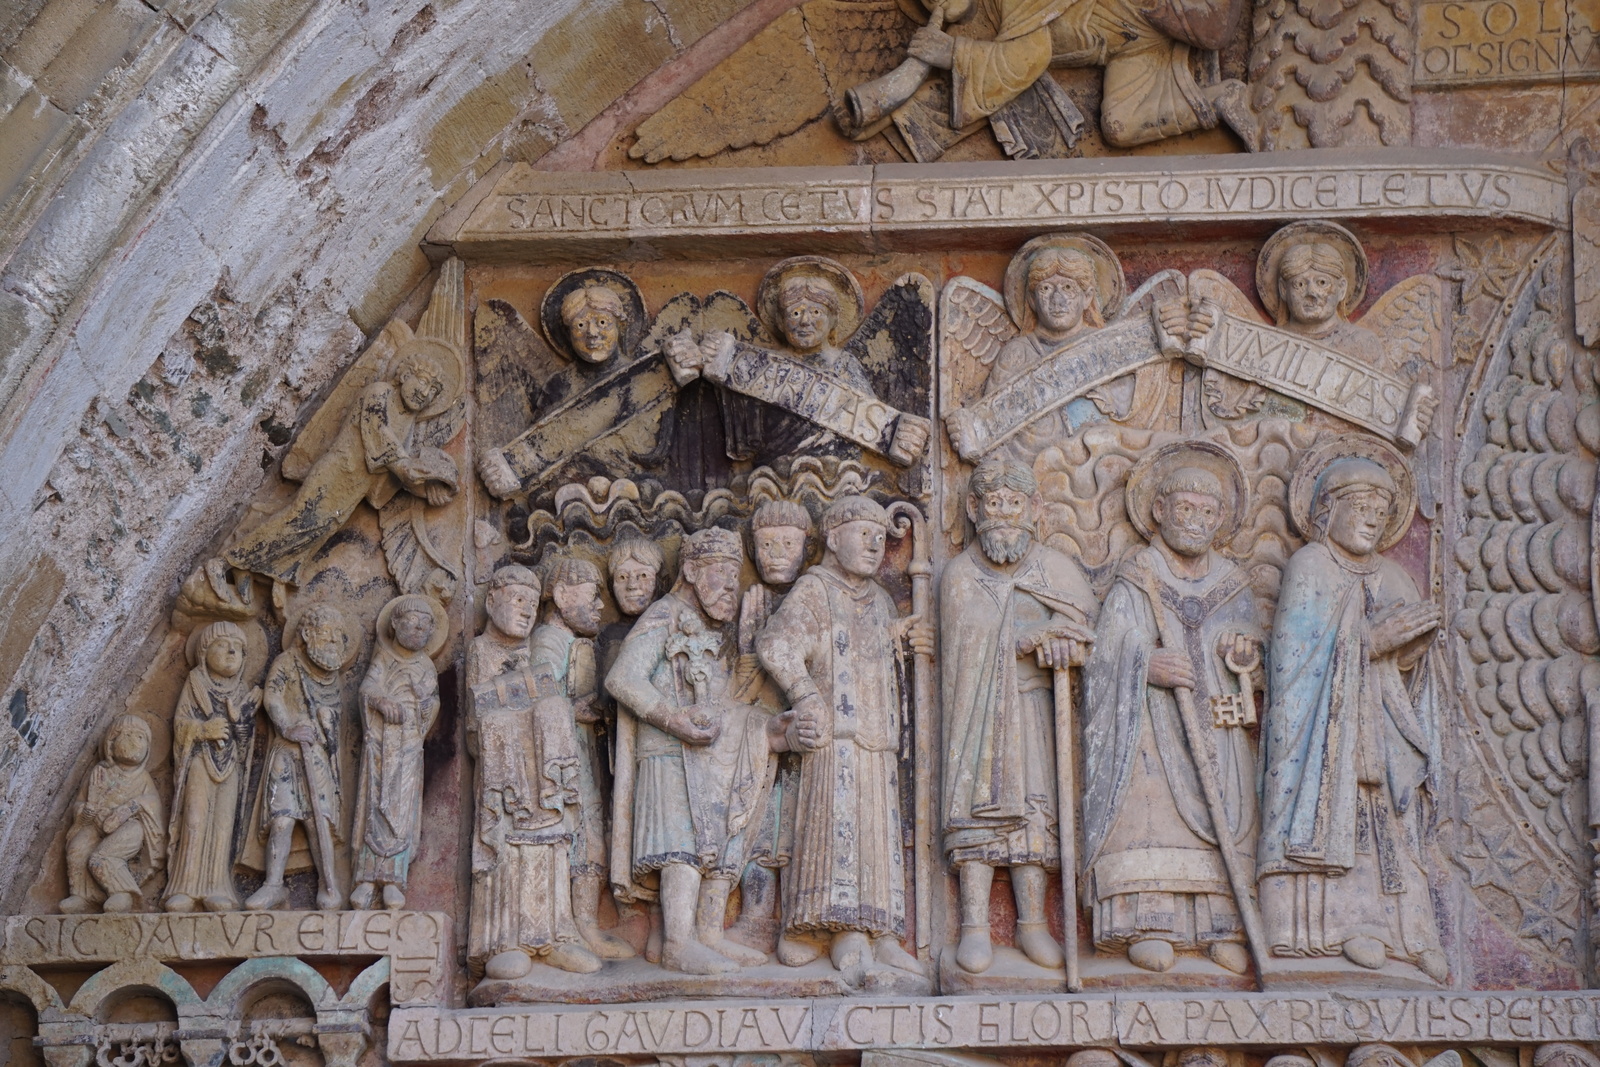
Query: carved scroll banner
[635,390]
[1295,365]
[1103,356]
[817,396]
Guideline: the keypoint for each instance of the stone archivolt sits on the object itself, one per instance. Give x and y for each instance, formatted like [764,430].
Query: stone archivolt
[1252,654]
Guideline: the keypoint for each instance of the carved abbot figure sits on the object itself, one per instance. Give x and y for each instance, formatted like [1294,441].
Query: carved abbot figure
[691,762]
[815,305]
[211,733]
[117,819]
[780,531]
[563,648]
[1013,612]
[519,731]
[1345,795]
[1154,874]
[399,704]
[832,646]
[304,702]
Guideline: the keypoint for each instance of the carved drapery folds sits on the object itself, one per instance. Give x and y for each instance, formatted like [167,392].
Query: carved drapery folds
[1060,624]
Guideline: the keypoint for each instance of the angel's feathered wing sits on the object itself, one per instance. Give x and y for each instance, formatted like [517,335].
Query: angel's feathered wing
[791,73]
[895,344]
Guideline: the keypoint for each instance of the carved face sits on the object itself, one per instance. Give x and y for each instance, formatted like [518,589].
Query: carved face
[130,747]
[225,657]
[858,546]
[412,629]
[1356,520]
[1058,303]
[780,550]
[580,606]
[716,584]
[513,608]
[1004,517]
[1188,521]
[594,332]
[806,323]
[634,585]
[1312,296]
[418,389]
[324,644]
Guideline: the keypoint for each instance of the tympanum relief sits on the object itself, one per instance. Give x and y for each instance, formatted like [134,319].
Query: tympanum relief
[1089,615]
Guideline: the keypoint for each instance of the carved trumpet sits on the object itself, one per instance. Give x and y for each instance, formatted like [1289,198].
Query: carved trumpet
[869,105]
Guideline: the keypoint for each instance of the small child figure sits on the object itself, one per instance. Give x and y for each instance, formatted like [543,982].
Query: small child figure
[117,818]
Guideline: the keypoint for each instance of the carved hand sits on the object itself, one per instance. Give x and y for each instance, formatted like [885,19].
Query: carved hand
[1427,404]
[1202,319]
[1171,669]
[1173,317]
[114,818]
[934,47]
[682,725]
[684,357]
[1402,626]
[586,709]
[300,733]
[1244,649]
[391,711]
[778,731]
[808,713]
[437,495]
[910,439]
[215,730]
[916,632]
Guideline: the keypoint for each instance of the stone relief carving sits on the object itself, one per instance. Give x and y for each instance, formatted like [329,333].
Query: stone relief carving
[1187,691]
[399,706]
[118,820]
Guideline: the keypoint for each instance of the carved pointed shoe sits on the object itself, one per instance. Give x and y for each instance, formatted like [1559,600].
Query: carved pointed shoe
[268,898]
[691,957]
[512,963]
[179,902]
[794,952]
[889,952]
[574,957]
[974,952]
[118,902]
[1152,954]
[1230,956]
[709,913]
[330,899]
[1366,952]
[360,897]
[1036,943]
[1431,963]
[585,913]
[393,897]
[76,905]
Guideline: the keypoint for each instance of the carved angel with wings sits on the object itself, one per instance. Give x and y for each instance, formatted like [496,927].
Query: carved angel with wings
[808,364]
[378,438]
[1185,353]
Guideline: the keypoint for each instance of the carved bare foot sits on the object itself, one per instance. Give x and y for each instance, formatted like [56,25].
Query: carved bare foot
[1230,956]
[118,902]
[792,952]
[75,905]
[1036,943]
[974,953]
[1152,954]
[393,898]
[691,957]
[1432,962]
[1366,952]
[571,956]
[268,898]
[180,902]
[891,953]
[513,963]
[360,897]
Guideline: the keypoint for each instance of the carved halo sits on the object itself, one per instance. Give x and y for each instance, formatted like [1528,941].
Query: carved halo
[352,633]
[255,645]
[1144,481]
[441,623]
[1111,285]
[1271,258]
[441,355]
[555,330]
[1303,486]
[852,302]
